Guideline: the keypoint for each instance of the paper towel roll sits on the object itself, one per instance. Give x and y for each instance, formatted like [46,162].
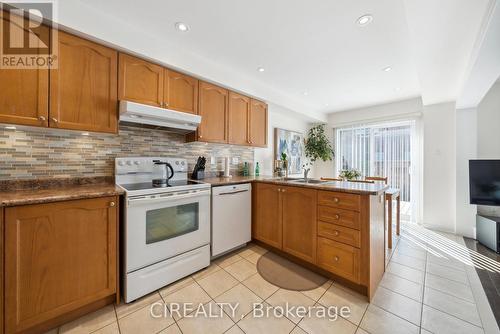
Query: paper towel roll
[227,167]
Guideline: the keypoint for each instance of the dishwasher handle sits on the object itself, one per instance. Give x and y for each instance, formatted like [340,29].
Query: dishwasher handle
[234,192]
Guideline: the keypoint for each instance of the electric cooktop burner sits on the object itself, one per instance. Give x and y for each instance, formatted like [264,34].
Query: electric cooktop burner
[150,185]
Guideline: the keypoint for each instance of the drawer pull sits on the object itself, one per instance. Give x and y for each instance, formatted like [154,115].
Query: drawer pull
[112,204]
[336,233]
[41,118]
[337,216]
[336,200]
[336,259]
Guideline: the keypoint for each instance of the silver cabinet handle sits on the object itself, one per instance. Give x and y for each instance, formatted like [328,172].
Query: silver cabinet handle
[336,259]
[54,120]
[112,204]
[41,118]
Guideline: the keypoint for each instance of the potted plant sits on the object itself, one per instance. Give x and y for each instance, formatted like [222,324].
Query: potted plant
[285,163]
[349,174]
[317,146]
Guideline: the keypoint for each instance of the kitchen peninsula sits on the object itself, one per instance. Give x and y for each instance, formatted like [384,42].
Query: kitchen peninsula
[335,228]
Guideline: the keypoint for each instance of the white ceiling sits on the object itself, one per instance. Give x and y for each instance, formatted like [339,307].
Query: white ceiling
[312,46]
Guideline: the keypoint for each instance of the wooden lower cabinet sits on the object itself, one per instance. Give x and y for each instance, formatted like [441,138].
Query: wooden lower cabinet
[59,257]
[299,222]
[341,233]
[1,271]
[339,258]
[267,214]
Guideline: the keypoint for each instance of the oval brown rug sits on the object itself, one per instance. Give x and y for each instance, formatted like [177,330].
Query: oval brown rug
[288,275]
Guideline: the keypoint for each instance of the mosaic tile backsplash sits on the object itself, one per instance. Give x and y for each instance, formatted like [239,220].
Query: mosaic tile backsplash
[31,153]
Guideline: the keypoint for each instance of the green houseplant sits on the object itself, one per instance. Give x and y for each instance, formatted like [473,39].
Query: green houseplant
[349,174]
[317,147]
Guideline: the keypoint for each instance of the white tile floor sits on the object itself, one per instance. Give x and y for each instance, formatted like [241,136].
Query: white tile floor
[426,289]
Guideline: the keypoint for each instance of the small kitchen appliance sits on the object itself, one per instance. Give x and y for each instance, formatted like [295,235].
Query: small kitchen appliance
[166,233]
[163,167]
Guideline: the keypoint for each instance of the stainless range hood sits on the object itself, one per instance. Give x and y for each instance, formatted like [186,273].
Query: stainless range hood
[175,121]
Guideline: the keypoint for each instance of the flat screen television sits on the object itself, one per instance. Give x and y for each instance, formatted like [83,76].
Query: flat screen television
[484,182]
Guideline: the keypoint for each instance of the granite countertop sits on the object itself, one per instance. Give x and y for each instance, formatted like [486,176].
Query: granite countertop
[349,187]
[14,193]
[226,181]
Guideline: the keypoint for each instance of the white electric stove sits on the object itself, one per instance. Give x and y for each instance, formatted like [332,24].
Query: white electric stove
[167,228]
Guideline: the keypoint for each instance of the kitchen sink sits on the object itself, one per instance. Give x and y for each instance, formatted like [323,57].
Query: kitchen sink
[311,181]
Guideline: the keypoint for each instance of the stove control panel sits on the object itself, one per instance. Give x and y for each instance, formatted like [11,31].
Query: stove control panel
[145,165]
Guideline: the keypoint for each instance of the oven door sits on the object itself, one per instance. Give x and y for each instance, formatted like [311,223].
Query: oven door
[161,226]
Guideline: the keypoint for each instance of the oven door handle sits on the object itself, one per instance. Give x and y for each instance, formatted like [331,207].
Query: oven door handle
[163,197]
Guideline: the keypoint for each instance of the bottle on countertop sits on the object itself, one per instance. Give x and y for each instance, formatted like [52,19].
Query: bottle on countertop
[245,169]
[257,169]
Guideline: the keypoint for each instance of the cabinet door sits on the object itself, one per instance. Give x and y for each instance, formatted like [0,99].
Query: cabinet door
[58,257]
[24,97]
[258,123]
[299,222]
[213,111]
[181,92]
[267,214]
[83,88]
[340,259]
[239,111]
[140,81]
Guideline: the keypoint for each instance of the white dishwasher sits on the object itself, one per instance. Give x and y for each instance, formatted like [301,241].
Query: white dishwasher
[231,217]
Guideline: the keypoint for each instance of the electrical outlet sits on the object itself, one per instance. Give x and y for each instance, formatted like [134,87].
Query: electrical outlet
[213,160]
[234,160]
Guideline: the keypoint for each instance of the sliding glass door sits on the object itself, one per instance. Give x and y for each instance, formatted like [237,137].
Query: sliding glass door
[382,149]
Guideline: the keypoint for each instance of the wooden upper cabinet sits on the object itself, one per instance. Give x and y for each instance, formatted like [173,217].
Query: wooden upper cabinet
[239,112]
[140,81]
[83,89]
[59,257]
[24,97]
[267,214]
[180,92]
[258,123]
[213,111]
[299,222]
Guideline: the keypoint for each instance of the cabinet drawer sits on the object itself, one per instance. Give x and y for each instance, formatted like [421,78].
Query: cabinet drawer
[338,258]
[339,217]
[340,233]
[339,200]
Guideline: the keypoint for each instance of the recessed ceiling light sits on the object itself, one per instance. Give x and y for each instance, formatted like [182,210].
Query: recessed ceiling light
[10,128]
[260,69]
[364,20]
[305,93]
[387,69]
[182,26]
[397,89]
[326,105]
